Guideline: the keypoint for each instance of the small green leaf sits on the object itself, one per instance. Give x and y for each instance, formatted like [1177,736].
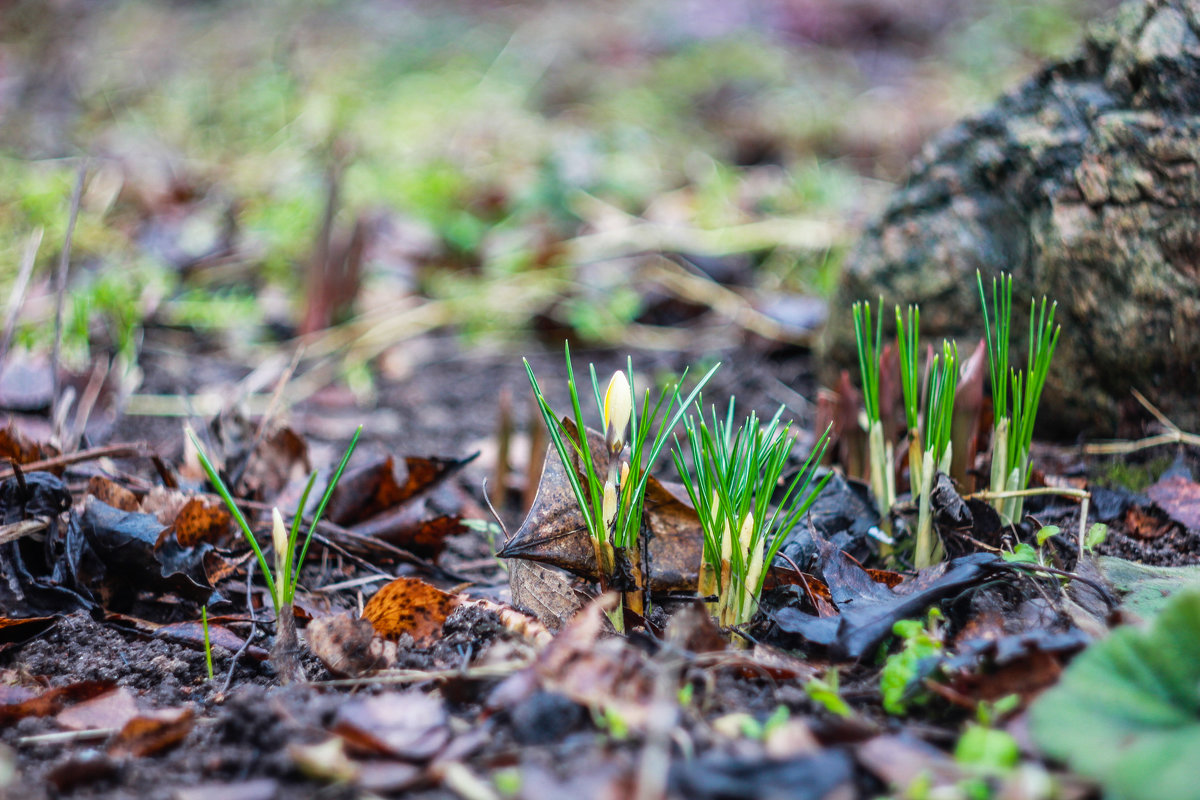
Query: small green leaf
[987,749]
[1127,711]
[1095,536]
[1045,533]
[1023,552]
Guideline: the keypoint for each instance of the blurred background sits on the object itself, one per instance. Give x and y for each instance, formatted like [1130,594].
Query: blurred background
[256,170]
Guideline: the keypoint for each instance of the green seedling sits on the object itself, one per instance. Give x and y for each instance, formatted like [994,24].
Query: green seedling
[1012,433]
[879,451]
[611,502]
[936,453]
[282,584]
[734,476]
[902,669]
[824,691]
[208,661]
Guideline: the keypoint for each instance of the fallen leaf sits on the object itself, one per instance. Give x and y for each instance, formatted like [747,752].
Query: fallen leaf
[112,493]
[412,606]
[52,701]
[1179,496]
[110,710]
[867,610]
[348,646]
[546,593]
[19,631]
[824,775]
[152,732]
[220,637]
[408,725]
[553,532]
[372,489]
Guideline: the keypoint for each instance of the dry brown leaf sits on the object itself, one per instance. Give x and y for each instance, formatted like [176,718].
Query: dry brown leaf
[1180,498]
[52,701]
[202,521]
[545,592]
[112,493]
[348,646]
[554,533]
[109,710]
[373,489]
[152,732]
[412,606]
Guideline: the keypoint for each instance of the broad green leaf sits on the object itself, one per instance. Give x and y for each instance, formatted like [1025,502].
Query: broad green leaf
[1127,711]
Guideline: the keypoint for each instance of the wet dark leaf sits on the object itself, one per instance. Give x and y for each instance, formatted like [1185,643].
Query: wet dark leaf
[842,514]
[40,495]
[867,609]
[114,554]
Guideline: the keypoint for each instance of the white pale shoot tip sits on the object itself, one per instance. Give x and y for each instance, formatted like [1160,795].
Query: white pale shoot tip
[618,405]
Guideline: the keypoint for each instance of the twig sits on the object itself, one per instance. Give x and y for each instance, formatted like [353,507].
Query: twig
[986,494]
[18,530]
[253,629]
[67,737]
[1100,590]
[1173,435]
[17,298]
[60,288]
[482,672]
[67,459]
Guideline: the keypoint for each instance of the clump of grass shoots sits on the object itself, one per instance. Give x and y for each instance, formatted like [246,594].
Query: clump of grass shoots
[735,474]
[282,585]
[879,451]
[937,452]
[1012,431]
[611,503]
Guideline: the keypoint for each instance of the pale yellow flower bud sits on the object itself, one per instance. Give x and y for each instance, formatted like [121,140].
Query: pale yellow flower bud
[279,537]
[609,508]
[618,406]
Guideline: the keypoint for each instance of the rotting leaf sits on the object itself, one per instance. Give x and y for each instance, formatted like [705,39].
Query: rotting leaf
[15,447]
[152,732]
[545,592]
[825,774]
[1127,711]
[220,637]
[19,631]
[412,606]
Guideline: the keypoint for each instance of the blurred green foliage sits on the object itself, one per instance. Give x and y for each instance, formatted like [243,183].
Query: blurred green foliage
[489,130]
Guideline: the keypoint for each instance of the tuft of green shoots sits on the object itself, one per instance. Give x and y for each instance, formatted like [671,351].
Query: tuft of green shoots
[734,476]
[908,346]
[1016,395]
[937,453]
[611,504]
[281,585]
[208,661]
[869,343]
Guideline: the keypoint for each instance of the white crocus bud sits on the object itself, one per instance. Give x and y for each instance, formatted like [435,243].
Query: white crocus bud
[279,537]
[618,405]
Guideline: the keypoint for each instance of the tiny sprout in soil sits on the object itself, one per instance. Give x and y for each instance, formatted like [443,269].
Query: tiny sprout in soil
[281,587]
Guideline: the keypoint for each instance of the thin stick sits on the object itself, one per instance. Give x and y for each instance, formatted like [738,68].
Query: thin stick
[60,286]
[253,628]
[17,298]
[107,451]
[1082,494]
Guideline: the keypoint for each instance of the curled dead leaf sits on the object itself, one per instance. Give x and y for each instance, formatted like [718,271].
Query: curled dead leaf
[412,606]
